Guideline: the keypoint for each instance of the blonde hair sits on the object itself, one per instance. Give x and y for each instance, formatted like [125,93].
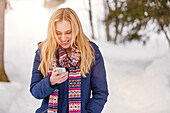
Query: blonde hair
[51,43]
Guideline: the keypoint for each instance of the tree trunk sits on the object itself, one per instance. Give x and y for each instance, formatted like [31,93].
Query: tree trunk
[107,30]
[116,24]
[117,32]
[91,20]
[107,21]
[162,28]
[3,76]
[167,37]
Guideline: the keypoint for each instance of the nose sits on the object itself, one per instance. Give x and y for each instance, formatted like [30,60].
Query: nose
[63,38]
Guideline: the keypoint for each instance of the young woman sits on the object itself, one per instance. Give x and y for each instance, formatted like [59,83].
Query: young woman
[66,46]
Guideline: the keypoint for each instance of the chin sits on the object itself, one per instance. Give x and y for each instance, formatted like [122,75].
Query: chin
[65,46]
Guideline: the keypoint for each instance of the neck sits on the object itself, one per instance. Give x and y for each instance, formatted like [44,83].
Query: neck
[68,50]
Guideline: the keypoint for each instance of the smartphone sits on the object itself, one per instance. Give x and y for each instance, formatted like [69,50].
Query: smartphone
[60,69]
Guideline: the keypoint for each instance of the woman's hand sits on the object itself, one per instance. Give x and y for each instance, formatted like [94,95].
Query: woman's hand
[57,78]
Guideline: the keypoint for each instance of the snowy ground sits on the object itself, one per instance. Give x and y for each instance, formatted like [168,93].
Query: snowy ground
[138,77]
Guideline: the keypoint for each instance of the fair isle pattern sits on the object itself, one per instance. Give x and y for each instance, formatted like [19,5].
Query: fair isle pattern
[74,88]
[53,102]
[53,99]
[74,85]
[70,63]
[75,91]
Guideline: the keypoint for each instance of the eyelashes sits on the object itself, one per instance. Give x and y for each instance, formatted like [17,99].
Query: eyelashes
[67,33]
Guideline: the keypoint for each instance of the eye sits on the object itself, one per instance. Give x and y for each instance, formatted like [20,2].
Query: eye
[68,32]
[58,33]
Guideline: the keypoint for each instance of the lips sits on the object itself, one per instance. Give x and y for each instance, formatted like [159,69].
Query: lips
[65,43]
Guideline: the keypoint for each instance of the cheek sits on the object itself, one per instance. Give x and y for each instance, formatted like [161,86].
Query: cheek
[59,37]
[70,37]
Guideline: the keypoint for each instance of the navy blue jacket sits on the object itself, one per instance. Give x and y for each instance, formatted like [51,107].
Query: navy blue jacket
[95,81]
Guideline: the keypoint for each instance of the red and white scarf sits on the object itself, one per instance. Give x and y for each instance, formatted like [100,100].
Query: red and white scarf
[74,81]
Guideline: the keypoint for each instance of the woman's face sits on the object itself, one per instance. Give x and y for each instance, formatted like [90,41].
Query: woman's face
[64,33]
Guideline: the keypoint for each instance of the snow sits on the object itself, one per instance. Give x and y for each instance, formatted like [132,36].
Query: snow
[138,76]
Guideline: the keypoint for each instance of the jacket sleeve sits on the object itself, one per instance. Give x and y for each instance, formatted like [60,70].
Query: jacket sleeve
[40,87]
[98,85]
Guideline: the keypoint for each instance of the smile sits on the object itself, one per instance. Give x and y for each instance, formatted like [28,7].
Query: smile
[65,42]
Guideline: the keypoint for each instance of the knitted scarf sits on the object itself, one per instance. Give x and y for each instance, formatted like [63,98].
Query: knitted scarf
[74,81]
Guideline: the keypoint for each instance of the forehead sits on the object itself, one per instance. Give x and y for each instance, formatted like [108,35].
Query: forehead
[63,26]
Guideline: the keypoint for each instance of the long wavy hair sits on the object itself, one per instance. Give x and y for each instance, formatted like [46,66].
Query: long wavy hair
[49,46]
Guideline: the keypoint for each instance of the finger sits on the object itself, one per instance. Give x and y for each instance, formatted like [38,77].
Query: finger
[55,72]
[65,74]
[59,78]
[62,75]
[63,79]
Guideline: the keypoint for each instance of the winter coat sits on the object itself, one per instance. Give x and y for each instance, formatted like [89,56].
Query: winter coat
[95,81]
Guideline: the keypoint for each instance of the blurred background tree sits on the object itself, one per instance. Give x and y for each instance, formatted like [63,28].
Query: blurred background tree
[5,4]
[3,76]
[159,11]
[135,16]
[91,19]
[124,19]
[52,3]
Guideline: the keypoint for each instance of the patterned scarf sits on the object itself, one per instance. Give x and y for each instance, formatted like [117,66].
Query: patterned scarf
[74,85]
